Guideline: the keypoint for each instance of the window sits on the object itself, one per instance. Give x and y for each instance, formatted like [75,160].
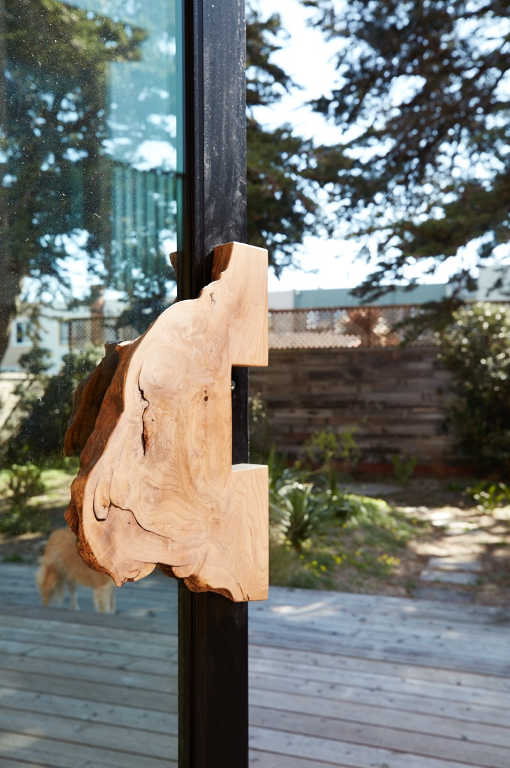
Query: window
[91,125]
[63,328]
[22,333]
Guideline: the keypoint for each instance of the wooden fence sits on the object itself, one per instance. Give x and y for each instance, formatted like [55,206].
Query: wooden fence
[392,397]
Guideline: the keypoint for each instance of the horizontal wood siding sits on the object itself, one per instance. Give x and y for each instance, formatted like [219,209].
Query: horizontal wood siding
[394,399]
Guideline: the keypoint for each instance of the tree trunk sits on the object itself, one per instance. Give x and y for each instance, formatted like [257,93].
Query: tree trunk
[9,278]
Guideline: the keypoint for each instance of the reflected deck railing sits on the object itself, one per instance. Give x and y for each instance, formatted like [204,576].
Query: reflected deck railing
[314,328]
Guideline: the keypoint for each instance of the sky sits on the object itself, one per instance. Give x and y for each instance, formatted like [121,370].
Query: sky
[308,59]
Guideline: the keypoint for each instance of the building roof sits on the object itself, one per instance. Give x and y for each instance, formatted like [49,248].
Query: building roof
[343,297]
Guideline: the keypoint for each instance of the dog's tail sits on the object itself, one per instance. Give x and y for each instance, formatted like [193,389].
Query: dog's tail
[46,580]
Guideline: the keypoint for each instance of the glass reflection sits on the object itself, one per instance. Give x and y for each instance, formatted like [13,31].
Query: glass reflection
[90,189]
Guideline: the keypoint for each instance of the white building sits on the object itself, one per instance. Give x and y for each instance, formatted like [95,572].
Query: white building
[54,327]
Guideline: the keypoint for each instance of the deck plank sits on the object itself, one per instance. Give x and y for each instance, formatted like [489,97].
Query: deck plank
[423,654]
[386,683]
[340,752]
[259,759]
[81,642]
[386,717]
[399,702]
[375,666]
[131,740]
[53,753]
[91,673]
[89,711]
[141,627]
[426,745]
[90,657]
[336,681]
[89,691]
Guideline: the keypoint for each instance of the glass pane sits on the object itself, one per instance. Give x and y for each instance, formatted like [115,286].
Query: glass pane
[90,208]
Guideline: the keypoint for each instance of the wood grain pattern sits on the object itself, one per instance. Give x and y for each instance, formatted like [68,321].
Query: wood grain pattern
[394,397]
[156,483]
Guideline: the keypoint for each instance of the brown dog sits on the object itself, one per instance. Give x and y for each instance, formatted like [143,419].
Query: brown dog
[61,565]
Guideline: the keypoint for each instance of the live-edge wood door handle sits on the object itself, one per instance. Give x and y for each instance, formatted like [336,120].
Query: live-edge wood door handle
[156,484]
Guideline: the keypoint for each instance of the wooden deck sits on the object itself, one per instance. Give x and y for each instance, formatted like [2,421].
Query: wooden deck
[336,680]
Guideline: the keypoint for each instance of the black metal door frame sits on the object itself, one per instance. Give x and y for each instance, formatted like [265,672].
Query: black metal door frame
[213,631]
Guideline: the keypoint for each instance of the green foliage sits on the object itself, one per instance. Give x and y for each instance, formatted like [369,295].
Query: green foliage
[298,512]
[476,348]
[363,541]
[280,474]
[489,495]
[301,509]
[307,570]
[36,361]
[321,535]
[19,520]
[352,506]
[322,448]
[261,444]
[23,482]
[326,447]
[422,167]
[14,557]
[278,469]
[282,204]
[47,408]
[403,467]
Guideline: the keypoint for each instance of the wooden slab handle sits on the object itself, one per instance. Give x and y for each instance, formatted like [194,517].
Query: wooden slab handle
[156,483]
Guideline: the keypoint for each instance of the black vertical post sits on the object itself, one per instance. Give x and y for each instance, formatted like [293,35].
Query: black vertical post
[213,631]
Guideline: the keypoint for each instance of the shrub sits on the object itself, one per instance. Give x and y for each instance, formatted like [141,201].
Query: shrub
[281,474]
[361,508]
[287,569]
[489,495]
[298,512]
[24,482]
[47,409]
[260,429]
[476,348]
[403,467]
[326,447]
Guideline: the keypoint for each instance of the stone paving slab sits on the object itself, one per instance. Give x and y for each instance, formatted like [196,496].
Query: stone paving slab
[372,489]
[457,527]
[435,592]
[454,564]
[452,577]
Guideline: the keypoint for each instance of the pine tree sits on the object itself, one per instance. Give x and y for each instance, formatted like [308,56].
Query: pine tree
[422,102]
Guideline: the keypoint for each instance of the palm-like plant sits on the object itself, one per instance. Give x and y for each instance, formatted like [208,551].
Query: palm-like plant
[298,512]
